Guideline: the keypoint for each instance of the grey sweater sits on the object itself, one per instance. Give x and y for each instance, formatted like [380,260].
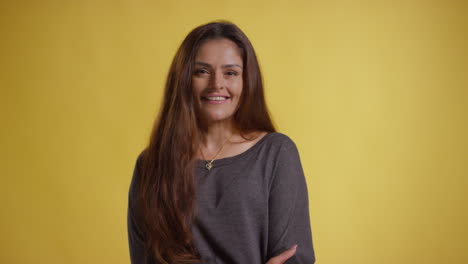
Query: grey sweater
[250,207]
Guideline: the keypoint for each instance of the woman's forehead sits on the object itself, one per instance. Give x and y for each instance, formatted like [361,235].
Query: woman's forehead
[219,51]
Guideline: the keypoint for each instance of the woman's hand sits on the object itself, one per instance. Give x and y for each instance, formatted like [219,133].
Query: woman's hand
[281,258]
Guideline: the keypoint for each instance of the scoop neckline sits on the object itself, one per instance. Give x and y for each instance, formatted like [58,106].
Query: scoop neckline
[227,160]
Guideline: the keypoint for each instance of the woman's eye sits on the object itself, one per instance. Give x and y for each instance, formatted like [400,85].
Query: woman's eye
[232,73]
[201,71]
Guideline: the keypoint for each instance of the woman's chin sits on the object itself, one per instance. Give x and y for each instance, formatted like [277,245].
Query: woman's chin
[218,118]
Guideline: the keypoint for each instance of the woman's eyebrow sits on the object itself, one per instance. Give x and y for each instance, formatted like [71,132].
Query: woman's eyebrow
[223,66]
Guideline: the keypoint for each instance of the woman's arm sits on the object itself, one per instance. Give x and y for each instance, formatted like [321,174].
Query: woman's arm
[136,237]
[289,221]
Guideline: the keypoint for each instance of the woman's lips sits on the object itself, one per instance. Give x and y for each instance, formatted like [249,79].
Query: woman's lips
[215,99]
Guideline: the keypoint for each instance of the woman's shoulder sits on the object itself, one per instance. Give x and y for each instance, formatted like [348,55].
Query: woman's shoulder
[280,140]
[140,158]
[276,144]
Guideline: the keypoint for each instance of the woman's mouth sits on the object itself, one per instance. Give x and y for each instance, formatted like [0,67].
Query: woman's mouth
[215,99]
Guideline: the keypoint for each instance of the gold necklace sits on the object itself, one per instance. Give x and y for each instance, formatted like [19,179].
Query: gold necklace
[209,164]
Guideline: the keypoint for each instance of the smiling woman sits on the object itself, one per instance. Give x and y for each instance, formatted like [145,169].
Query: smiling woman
[217,82]
[246,203]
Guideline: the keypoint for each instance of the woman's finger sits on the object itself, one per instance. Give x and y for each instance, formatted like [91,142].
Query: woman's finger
[281,258]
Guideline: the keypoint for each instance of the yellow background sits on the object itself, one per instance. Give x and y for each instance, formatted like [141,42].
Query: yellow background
[373,93]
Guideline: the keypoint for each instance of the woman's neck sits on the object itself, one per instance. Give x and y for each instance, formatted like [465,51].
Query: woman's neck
[216,135]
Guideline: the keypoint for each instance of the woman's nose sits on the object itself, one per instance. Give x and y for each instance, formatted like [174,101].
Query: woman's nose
[217,80]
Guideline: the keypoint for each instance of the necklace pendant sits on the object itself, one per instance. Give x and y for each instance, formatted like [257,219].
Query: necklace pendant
[209,165]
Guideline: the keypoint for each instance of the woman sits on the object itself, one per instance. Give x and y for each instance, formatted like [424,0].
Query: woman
[216,183]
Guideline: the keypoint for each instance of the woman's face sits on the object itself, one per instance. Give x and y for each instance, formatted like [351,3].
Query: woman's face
[217,79]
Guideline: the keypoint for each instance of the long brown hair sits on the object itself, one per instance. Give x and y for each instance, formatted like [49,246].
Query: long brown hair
[167,186]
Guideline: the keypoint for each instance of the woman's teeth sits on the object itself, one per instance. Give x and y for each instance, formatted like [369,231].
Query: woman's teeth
[216,98]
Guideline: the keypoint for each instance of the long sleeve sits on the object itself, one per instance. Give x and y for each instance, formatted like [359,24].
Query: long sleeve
[136,236]
[289,221]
